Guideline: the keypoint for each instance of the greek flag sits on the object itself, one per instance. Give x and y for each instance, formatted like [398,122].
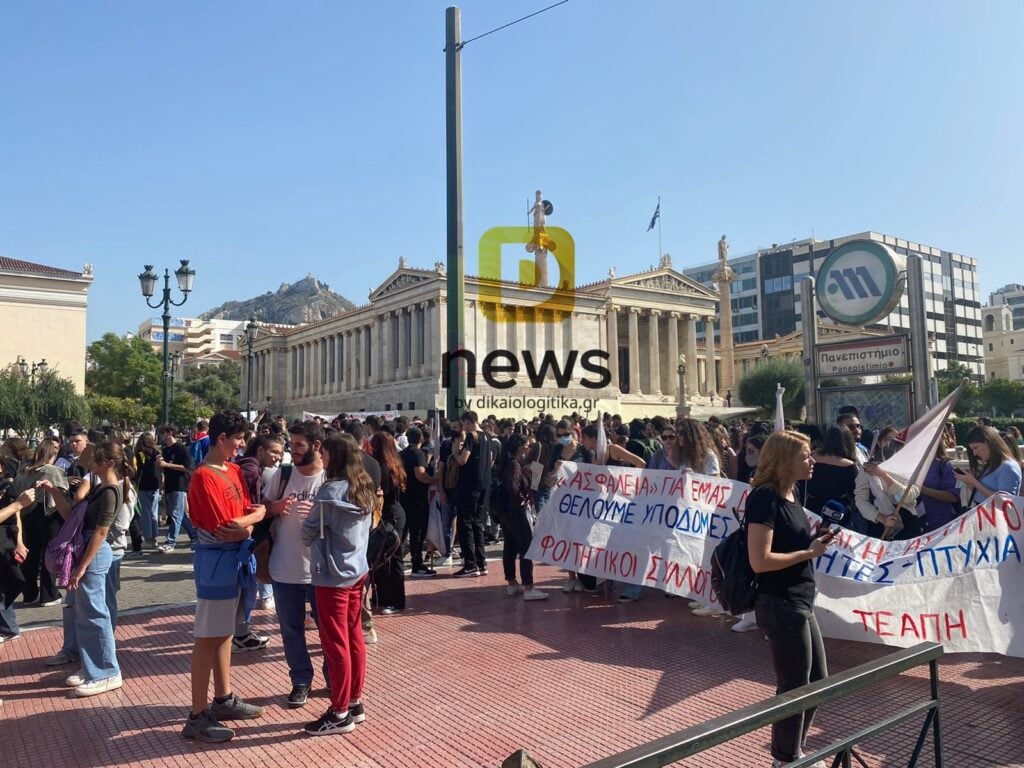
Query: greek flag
[654,218]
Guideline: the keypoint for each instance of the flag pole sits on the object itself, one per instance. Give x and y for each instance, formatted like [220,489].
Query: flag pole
[926,459]
[659,229]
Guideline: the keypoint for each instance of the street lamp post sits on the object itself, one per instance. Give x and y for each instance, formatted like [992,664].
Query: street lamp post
[186,277]
[42,366]
[251,329]
[175,365]
[682,410]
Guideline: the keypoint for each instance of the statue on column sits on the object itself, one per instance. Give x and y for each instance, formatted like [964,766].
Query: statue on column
[540,243]
[723,278]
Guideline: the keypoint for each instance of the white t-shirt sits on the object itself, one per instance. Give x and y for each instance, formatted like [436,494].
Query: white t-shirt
[289,557]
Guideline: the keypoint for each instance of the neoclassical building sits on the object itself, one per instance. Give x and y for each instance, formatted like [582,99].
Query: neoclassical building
[387,354]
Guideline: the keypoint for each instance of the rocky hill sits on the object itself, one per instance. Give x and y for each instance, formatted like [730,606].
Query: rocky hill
[306,301]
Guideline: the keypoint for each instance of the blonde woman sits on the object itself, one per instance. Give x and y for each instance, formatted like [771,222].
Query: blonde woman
[781,547]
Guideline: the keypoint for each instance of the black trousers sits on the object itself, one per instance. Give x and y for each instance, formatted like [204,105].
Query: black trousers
[39,530]
[798,655]
[388,580]
[518,537]
[416,517]
[472,516]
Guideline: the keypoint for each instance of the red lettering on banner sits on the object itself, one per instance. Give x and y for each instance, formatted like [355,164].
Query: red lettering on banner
[1012,515]
[986,512]
[960,625]
[651,574]
[870,551]
[907,626]
[916,626]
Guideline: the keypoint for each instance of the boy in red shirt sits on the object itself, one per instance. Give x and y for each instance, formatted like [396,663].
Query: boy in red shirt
[223,515]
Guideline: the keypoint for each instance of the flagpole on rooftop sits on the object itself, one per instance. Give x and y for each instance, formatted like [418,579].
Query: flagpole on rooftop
[659,230]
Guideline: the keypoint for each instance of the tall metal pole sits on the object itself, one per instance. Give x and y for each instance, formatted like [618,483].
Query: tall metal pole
[165,418]
[809,326]
[919,357]
[248,382]
[456,390]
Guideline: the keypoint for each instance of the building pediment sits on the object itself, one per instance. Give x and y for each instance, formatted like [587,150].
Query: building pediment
[403,279]
[662,280]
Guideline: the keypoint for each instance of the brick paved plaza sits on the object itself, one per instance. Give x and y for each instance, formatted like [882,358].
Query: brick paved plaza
[468,675]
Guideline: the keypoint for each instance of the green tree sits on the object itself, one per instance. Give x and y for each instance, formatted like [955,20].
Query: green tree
[55,401]
[757,388]
[1001,396]
[125,367]
[185,409]
[16,406]
[121,410]
[217,387]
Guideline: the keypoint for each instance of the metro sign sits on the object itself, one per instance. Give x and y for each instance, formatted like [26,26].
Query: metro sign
[861,282]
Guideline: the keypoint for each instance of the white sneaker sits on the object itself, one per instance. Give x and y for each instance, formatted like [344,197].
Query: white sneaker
[444,562]
[513,589]
[75,680]
[695,604]
[707,611]
[747,623]
[569,586]
[96,687]
[577,586]
[535,594]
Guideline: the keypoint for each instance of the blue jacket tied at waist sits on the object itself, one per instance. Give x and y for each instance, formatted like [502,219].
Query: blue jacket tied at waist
[223,570]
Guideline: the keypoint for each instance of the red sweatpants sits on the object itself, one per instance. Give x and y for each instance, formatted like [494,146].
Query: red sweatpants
[341,637]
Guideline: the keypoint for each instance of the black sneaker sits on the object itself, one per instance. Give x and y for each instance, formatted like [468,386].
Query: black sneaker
[204,727]
[481,571]
[330,723]
[299,696]
[463,573]
[250,642]
[234,709]
[423,573]
[357,712]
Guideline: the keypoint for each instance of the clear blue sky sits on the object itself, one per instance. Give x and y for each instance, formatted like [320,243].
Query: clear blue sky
[265,140]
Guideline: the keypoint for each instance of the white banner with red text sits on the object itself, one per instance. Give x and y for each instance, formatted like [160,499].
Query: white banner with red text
[962,585]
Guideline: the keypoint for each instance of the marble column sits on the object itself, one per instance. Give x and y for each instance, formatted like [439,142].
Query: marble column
[634,351]
[377,350]
[654,351]
[709,335]
[612,320]
[415,351]
[358,366]
[692,379]
[673,353]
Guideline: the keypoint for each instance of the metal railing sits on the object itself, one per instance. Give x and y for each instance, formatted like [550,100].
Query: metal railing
[698,738]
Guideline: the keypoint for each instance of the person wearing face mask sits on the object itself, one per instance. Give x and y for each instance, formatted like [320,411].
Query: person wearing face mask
[566,448]
[516,523]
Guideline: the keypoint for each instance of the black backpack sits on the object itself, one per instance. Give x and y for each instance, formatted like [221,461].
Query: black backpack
[732,578]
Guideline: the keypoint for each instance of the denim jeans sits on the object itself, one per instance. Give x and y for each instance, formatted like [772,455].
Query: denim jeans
[798,655]
[176,506]
[113,586]
[95,634]
[246,604]
[290,603]
[149,517]
[8,621]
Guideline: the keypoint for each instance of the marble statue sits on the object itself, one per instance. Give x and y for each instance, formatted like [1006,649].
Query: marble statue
[723,250]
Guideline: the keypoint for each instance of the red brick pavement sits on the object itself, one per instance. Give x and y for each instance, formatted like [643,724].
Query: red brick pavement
[467,675]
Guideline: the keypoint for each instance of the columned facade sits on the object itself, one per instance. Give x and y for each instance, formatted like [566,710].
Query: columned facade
[621,334]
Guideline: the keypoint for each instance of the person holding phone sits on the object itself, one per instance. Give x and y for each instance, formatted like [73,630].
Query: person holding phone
[992,468]
[782,547]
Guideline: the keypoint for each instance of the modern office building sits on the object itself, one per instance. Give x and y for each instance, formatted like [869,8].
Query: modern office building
[766,298]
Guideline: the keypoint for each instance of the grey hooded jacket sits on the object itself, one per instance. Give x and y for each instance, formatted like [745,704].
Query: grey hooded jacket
[336,532]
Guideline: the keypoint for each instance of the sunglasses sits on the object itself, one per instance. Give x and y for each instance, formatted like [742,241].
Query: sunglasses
[669,436]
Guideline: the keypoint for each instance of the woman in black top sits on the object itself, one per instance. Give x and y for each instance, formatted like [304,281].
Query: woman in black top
[835,473]
[148,471]
[515,522]
[388,580]
[781,548]
[87,586]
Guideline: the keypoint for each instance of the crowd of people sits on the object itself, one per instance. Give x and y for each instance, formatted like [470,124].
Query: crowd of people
[314,520]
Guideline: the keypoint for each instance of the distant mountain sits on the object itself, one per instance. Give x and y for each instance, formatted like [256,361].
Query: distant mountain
[306,301]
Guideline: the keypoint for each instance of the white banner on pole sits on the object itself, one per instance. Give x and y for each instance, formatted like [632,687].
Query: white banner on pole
[961,585]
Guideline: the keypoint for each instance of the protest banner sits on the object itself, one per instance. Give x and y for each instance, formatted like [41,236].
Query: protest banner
[962,585]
